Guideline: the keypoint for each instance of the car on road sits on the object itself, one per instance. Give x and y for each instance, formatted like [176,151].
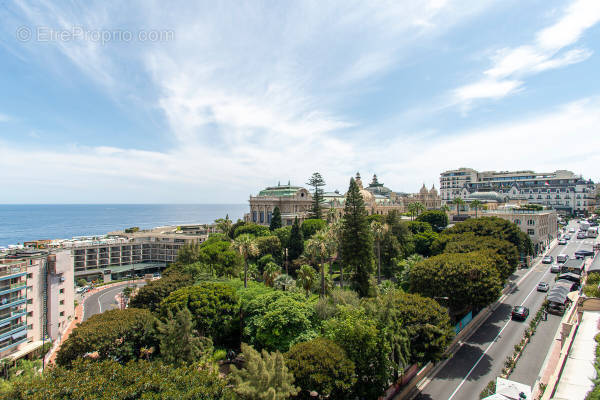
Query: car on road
[543,287]
[567,237]
[562,242]
[581,235]
[582,253]
[547,260]
[571,230]
[519,312]
[555,268]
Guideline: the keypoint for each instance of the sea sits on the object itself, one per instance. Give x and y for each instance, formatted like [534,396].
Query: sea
[20,223]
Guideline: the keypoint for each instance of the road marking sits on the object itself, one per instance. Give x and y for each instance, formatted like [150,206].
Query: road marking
[99,297]
[488,348]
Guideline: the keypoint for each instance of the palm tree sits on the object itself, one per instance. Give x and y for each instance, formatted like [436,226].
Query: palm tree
[379,230]
[445,208]
[317,247]
[419,208]
[271,272]
[307,277]
[477,205]
[224,224]
[245,245]
[458,202]
[412,210]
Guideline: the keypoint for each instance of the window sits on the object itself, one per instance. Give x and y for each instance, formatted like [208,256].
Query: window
[29,276]
[253,216]
[30,326]
[61,291]
[530,232]
[518,221]
[62,302]
[530,222]
[29,301]
[262,217]
[62,314]
[30,314]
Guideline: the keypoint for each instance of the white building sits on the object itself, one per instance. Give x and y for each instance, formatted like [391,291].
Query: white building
[561,190]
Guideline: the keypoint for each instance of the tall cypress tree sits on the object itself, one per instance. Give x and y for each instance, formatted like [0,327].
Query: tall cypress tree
[357,240]
[275,219]
[296,241]
[317,182]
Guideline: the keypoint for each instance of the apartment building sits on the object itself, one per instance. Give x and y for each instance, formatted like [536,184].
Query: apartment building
[561,190]
[36,299]
[131,254]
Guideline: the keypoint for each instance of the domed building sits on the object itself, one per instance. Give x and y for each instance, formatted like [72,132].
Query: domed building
[293,202]
[429,198]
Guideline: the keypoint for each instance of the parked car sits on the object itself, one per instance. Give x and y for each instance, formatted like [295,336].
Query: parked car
[543,287]
[567,237]
[581,235]
[571,230]
[548,260]
[519,312]
[555,268]
[562,242]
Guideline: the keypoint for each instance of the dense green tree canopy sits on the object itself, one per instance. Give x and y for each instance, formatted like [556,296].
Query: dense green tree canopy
[317,182]
[263,377]
[113,334]
[252,229]
[438,219]
[423,242]
[284,236]
[426,323]
[357,333]
[179,342]
[312,226]
[275,320]
[468,280]
[214,306]
[269,245]
[497,228]
[222,259]
[93,380]
[468,242]
[418,227]
[154,292]
[322,366]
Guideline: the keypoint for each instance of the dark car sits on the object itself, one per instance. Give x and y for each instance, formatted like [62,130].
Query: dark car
[583,253]
[520,312]
[548,260]
[543,287]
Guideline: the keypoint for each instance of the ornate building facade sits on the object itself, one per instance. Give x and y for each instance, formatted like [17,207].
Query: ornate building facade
[296,202]
[293,202]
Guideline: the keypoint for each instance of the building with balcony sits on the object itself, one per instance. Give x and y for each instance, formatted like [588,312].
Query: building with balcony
[561,190]
[36,299]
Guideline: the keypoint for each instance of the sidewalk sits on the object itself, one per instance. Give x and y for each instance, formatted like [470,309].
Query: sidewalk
[79,312]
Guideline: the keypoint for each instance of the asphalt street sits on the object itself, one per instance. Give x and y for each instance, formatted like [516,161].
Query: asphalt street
[103,300]
[481,357]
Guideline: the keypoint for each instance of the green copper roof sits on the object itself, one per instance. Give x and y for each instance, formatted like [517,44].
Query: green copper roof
[280,191]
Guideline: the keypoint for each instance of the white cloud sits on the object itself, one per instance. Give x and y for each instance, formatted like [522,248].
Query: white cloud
[511,65]
[403,163]
[4,118]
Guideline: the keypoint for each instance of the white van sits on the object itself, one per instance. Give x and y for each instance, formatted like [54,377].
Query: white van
[562,258]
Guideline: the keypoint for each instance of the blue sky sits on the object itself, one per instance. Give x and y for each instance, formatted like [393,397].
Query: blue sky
[154,102]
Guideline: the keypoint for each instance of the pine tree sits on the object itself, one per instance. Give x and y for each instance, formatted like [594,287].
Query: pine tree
[357,240]
[264,376]
[275,219]
[178,341]
[296,241]
[317,182]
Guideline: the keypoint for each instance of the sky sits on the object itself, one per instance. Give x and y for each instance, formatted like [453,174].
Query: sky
[169,102]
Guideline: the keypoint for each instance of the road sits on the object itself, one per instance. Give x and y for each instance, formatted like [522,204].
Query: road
[481,357]
[103,300]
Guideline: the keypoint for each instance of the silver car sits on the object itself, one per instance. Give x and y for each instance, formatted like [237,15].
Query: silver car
[555,268]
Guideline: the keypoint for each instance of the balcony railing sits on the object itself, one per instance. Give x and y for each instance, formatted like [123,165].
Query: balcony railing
[12,315]
[10,329]
[13,287]
[8,302]
[13,271]
[7,344]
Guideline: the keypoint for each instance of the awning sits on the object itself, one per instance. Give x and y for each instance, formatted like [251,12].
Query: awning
[26,349]
[20,334]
